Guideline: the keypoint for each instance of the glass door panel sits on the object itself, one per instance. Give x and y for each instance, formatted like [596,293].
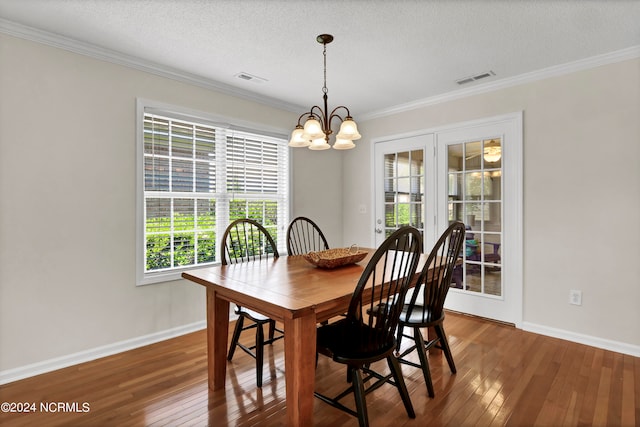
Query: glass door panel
[404,190]
[400,185]
[475,196]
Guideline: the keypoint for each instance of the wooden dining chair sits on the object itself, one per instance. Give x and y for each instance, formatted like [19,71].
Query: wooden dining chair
[245,240]
[425,308]
[360,339]
[304,236]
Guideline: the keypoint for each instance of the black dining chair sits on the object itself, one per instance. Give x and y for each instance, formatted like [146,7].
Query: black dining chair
[245,240]
[304,236]
[425,308]
[360,339]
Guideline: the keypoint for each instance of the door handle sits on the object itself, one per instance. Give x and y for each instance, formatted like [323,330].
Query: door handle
[379,230]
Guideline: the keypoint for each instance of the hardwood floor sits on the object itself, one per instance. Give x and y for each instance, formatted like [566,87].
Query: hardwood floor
[506,377]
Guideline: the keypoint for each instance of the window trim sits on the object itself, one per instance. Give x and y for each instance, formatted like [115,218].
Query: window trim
[180,113]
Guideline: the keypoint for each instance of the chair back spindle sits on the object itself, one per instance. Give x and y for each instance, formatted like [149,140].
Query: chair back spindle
[434,283]
[247,240]
[304,236]
[390,270]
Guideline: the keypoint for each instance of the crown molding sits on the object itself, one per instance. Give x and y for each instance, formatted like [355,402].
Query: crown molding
[55,40]
[558,70]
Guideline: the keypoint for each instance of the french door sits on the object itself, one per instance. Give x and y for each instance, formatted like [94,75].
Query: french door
[471,173]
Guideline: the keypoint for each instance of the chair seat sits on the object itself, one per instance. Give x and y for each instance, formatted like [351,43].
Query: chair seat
[253,315]
[420,316]
[353,343]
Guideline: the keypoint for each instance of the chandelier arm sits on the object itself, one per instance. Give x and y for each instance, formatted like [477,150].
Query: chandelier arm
[319,115]
[334,114]
[301,116]
[309,114]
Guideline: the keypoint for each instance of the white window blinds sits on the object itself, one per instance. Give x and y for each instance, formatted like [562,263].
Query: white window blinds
[198,178]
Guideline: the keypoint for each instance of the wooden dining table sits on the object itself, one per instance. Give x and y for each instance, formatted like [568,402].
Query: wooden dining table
[289,290]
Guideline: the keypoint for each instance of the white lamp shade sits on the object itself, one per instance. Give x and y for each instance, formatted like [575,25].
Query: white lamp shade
[343,144]
[348,130]
[297,138]
[313,129]
[319,144]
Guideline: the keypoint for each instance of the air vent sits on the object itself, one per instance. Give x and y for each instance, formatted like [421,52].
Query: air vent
[250,78]
[477,77]
[463,81]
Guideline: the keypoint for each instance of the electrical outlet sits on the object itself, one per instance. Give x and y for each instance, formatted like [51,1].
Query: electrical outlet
[575,297]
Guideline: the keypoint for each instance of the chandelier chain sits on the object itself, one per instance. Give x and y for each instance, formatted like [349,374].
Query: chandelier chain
[324,53]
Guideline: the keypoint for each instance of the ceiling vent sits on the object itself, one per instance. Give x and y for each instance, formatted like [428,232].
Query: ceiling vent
[250,78]
[477,77]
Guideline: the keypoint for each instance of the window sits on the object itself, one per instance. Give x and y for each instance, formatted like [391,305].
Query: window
[196,178]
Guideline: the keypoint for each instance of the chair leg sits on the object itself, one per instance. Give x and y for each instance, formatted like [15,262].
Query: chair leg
[259,353]
[236,337]
[272,329]
[394,366]
[358,391]
[399,337]
[445,347]
[424,362]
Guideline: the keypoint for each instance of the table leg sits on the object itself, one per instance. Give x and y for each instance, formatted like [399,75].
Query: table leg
[300,366]
[217,337]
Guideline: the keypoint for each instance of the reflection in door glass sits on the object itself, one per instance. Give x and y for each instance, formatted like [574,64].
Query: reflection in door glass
[475,198]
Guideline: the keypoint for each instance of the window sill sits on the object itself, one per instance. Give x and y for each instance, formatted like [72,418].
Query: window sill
[168,276]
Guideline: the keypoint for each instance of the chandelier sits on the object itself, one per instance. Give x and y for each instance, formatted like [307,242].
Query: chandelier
[317,127]
[492,151]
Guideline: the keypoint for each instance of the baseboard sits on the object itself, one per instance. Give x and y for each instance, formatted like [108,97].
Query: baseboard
[619,347]
[38,368]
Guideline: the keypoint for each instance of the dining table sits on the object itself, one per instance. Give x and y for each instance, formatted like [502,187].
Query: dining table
[289,290]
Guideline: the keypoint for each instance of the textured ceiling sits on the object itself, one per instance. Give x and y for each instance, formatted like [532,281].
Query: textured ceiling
[385,53]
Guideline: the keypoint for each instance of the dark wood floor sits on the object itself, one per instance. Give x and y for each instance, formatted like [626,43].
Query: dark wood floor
[506,377]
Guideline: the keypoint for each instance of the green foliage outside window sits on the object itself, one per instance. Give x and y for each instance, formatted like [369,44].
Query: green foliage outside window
[399,215]
[184,243]
[187,237]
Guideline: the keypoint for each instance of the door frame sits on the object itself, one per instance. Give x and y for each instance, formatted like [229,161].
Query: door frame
[512,167]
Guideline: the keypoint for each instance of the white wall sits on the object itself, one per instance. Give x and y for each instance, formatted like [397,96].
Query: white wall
[317,189]
[581,194]
[67,202]
[67,198]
